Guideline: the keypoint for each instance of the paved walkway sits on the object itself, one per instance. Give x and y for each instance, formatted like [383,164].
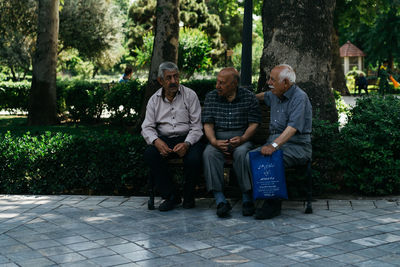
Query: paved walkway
[119,231]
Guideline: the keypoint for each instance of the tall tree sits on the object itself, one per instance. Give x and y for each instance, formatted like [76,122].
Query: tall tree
[372,25]
[165,47]
[298,33]
[42,106]
[18,22]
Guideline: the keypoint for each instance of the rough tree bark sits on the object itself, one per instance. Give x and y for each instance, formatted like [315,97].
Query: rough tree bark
[337,78]
[42,105]
[298,33]
[165,47]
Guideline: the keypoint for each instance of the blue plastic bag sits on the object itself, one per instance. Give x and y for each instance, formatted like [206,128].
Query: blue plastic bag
[268,175]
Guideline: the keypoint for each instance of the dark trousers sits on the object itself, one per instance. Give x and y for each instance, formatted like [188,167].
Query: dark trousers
[159,171]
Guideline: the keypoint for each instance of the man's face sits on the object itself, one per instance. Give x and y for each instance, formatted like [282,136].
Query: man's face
[277,87]
[226,84]
[170,82]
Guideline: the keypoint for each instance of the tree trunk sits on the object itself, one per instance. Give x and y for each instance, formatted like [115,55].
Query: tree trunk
[165,47]
[42,105]
[298,33]
[338,80]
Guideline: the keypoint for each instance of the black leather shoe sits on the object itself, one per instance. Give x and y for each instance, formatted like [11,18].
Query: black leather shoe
[224,209]
[270,209]
[248,208]
[169,204]
[188,203]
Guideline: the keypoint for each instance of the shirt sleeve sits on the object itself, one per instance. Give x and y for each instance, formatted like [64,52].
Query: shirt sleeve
[254,114]
[195,131]
[207,114]
[149,131]
[267,98]
[297,113]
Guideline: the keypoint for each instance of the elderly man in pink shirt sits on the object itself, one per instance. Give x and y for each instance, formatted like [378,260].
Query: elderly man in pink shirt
[172,128]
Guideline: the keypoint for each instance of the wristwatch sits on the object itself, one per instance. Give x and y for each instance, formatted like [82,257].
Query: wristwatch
[188,143]
[275,145]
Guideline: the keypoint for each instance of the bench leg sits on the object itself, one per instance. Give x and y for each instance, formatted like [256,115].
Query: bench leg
[309,189]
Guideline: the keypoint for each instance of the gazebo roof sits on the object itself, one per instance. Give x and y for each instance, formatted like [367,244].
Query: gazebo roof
[350,50]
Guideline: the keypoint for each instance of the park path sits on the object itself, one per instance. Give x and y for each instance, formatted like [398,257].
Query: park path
[119,231]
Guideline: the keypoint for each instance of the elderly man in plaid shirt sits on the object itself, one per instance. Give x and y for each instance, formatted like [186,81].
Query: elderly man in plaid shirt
[230,116]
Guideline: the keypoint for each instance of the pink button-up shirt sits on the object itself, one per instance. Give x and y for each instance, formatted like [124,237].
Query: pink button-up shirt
[177,118]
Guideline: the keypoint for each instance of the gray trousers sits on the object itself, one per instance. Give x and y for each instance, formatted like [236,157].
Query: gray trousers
[213,161]
[297,151]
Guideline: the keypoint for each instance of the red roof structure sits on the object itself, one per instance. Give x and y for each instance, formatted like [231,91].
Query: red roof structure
[350,50]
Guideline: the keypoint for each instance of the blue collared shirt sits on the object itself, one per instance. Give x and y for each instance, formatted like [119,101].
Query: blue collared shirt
[294,109]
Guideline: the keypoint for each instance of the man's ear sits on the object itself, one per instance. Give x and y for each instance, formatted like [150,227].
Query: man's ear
[160,80]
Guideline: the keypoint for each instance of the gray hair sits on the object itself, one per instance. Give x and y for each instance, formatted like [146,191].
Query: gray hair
[170,66]
[287,73]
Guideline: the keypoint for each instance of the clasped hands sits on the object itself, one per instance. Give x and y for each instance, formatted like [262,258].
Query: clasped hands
[227,146]
[164,149]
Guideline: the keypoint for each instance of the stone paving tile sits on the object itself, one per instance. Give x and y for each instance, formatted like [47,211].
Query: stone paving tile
[66,258]
[348,258]
[391,258]
[121,231]
[373,263]
[110,260]
[36,262]
[97,252]
[140,255]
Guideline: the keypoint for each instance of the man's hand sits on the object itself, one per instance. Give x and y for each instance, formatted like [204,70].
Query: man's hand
[181,149]
[267,150]
[236,141]
[162,147]
[222,145]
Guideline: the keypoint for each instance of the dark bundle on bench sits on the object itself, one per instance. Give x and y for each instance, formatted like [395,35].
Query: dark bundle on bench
[258,139]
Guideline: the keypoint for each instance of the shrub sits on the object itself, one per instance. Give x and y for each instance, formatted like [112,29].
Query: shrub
[61,163]
[14,96]
[201,87]
[84,100]
[124,100]
[370,146]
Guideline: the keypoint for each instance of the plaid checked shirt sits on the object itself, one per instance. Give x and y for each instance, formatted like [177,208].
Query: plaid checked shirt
[235,115]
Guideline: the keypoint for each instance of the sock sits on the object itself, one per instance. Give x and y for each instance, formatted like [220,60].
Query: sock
[219,197]
[246,197]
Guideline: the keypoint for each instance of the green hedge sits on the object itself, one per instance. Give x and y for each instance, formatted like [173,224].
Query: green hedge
[369,146]
[99,163]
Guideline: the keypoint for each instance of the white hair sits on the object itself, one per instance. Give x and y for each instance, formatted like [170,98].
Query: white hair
[170,66]
[287,73]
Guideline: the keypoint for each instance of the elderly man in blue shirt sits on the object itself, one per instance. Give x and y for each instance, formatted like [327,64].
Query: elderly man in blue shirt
[290,126]
[231,116]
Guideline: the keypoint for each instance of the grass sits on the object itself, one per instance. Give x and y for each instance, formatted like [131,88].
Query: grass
[18,126]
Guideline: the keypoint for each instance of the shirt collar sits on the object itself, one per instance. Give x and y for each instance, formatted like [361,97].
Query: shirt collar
[239,95]
[289,93]
[160,91]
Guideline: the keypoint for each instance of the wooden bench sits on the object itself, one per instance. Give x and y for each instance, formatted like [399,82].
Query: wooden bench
[258,139]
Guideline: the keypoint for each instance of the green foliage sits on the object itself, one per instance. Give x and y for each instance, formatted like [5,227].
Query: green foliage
[124,100]
[193,52]
[90,26]
[18,35]
[372,25]
[201,87]
[193,14]
[326,177]
[84,100]
[370,146]
[257,50]
[55,163]
[14,96]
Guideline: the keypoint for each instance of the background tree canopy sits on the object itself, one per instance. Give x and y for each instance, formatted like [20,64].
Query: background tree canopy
[372,25]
